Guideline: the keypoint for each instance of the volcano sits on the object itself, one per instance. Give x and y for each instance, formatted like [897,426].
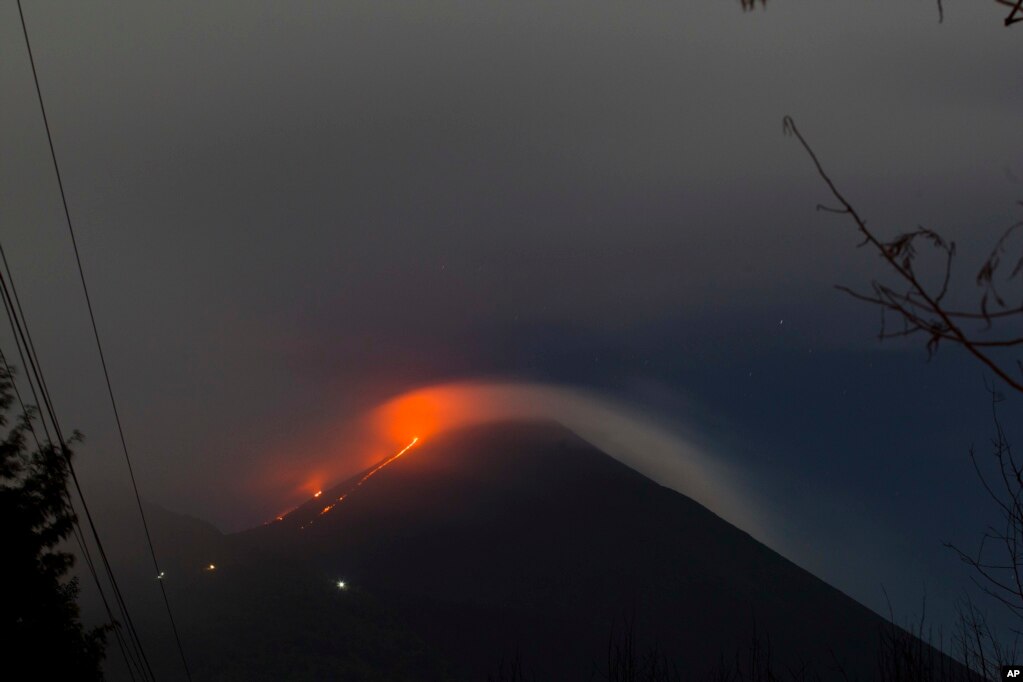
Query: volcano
[503,544]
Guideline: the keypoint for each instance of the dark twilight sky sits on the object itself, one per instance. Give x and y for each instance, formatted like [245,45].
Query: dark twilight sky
[290,212]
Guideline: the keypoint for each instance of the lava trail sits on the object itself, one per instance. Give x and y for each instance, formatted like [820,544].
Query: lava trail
[369,474]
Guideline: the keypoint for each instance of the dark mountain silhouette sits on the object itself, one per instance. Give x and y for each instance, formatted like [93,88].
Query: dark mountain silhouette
[505,541]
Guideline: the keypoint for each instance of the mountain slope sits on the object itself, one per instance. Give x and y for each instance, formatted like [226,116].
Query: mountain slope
[524,540]
[499,542]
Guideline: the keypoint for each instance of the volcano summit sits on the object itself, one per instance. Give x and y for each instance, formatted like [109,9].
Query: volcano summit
[513,541]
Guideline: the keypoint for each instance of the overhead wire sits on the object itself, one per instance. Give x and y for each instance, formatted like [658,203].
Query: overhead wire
[99,345]
[131,650]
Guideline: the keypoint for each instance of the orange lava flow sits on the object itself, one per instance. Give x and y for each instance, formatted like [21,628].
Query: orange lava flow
[280,517]
[369,474]
[387,461]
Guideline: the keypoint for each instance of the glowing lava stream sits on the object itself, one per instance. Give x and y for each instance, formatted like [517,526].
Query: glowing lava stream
[369,474]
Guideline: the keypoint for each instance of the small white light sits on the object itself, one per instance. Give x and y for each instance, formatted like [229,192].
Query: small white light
[211,567]
[342,585]
[162,573]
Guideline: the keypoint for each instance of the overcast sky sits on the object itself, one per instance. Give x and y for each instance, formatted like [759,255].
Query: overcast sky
[289,212]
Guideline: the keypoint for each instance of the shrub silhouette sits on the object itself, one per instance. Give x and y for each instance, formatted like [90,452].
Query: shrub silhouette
[40,627]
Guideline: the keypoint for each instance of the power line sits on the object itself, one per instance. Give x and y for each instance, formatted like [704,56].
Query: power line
[75,526]
[99,345]
[132,652]
[26,348]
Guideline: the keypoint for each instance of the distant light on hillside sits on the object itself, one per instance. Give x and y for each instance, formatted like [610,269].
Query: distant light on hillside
[342,585]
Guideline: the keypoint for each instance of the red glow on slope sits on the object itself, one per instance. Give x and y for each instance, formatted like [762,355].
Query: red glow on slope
[310,487]
[424,412]
[303,467]
[358,443]
[414,413]
[431,410]
[280,517]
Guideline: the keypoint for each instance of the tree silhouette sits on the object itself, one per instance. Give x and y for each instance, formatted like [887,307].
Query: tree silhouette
[1015,15]
[991,332]
[40,627]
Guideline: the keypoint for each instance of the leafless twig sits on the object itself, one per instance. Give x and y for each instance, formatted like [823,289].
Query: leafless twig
[920,307]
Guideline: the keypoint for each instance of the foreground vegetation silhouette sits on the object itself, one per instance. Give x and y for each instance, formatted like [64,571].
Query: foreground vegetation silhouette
[971,653]
[40,625]
[917,297]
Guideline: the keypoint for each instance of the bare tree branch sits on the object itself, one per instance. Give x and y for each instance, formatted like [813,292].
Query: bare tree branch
[921,307]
